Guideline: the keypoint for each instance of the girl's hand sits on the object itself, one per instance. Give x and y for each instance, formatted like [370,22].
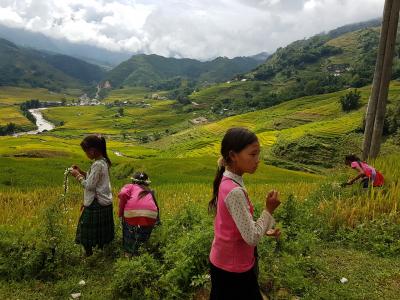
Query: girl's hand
[272,201]
[75,167]
[276,233]
[75,172]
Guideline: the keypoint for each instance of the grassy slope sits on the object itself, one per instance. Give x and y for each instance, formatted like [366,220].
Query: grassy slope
[11,97]
[369,276]
[12,114]
[160,116]
[14,95]
[125,94]
[317,115]
[198,149]
[320,116]
[348,42]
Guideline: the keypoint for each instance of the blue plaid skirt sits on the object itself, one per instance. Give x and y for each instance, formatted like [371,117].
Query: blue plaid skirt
[133,236]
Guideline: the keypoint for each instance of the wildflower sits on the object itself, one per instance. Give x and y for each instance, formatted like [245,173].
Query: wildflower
[75,295]
[66,181]
[344,280]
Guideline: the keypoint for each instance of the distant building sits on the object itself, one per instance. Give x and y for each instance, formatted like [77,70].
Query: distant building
[53,103]
[199,120]
[85,100]
[338,69]
[105,85]
[158,97]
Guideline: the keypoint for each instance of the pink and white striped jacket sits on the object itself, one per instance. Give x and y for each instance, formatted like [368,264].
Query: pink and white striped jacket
[137,211]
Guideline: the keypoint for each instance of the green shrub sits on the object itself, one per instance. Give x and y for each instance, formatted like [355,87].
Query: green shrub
[392,119]
[379,236]
[19,258]
[350,101]
[40,253]
[185,260]
[137,278]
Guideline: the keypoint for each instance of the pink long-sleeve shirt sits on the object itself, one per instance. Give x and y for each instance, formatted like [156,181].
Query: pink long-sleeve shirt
[137,211]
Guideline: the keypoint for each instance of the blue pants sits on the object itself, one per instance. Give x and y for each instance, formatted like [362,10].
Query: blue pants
[133,236]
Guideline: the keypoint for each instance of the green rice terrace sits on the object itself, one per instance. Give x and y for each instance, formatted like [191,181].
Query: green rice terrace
[328,232]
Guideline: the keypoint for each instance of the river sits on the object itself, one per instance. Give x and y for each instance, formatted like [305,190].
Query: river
[41,123]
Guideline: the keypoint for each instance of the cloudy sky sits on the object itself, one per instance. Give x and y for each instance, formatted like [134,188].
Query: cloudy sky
[199,29]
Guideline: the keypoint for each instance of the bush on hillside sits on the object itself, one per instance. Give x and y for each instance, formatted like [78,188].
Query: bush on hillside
[350,101]
[137,278]
[40,254]
[10,128]
[391,124]
[392,119]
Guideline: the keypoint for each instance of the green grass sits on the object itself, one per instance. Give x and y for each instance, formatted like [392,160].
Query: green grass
[350,43]
[78,120]
[320,116]
[324,264]
[232,90]
[13,95]
[12,114]
[132,94]
[182,166]
[369,276]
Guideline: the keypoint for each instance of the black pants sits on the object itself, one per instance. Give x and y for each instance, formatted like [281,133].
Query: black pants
[234,286]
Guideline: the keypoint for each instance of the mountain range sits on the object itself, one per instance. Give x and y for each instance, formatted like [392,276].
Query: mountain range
[326,62]
[32,68]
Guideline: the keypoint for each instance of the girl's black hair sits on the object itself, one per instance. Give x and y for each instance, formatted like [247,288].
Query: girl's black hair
[234,140]
[98,143]
[351,158]
[141,179]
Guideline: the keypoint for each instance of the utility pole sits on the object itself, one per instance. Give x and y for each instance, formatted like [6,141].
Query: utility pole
[377,103]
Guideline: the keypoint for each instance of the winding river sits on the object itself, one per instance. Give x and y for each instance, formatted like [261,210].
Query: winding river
[41,123]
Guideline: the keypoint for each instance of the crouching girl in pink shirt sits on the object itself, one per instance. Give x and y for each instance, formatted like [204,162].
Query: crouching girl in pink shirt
[138,211]
[369,175]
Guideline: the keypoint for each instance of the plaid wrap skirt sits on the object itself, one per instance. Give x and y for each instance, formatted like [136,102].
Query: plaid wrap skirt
[96,225]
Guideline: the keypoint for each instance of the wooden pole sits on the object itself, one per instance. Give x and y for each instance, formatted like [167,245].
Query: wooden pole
[385,81]
[373,100]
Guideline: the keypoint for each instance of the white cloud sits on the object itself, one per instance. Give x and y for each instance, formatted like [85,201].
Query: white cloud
[10,17]
[198,29]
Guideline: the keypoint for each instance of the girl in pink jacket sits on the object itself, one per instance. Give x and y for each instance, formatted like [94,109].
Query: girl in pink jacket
[233,259]
[138,211]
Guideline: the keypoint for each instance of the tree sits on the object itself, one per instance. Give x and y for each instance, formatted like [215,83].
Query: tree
[121,111]
[10,128]
[350,101]
[311,87]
